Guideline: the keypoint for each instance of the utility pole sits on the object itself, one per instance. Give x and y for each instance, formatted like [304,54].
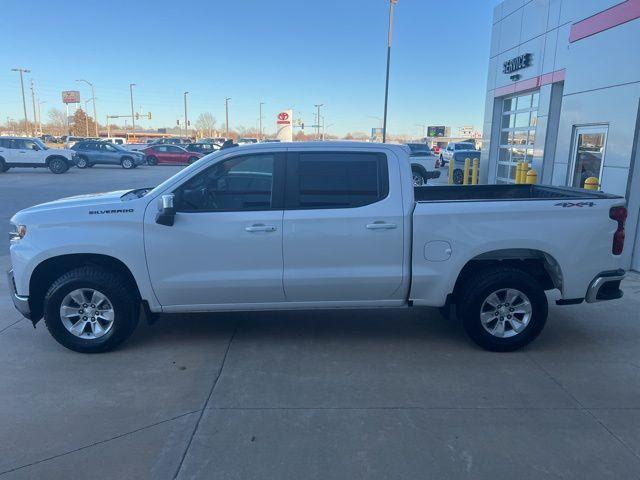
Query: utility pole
[86,117]
[24,102]
[318,120]
[226,114]
[93,96]
[40,102]
[260,129]
[186,120]
[392,4]
[33,101]
[133,113]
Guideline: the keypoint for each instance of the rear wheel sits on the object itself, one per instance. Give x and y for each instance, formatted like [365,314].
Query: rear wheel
[91,309]
[458,176]
[127,163]
[418,179]
[502,309]
[58,165]
[3,166]
[151,160]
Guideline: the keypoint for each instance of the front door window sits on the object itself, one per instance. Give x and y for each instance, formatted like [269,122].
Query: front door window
[588,154]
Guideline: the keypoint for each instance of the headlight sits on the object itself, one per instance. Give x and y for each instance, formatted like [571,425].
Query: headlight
[18,232]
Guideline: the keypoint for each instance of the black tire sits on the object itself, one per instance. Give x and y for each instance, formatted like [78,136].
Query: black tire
[417,178]
[458,176]
[3,166]
[479,287]
[121,295]
[83,162]
[151,160]
[193,159]
[58,165]
[127,163]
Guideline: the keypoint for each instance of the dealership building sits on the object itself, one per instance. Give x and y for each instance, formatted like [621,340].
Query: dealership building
[563,94]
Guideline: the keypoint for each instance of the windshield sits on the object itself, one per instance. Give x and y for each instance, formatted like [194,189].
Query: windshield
[419,148]
[465,146]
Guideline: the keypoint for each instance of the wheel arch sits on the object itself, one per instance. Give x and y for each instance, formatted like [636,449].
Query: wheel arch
[537,263]
[47,271]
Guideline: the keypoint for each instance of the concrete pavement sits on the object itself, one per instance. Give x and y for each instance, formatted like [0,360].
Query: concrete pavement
[290,395]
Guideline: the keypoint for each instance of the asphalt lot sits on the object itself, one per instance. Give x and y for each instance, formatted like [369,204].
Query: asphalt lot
[314,395]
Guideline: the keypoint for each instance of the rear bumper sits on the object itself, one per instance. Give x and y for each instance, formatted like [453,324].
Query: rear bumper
[606,286]
[21,303]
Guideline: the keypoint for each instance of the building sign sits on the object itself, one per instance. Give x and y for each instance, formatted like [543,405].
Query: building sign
[377,134]
[517,63]
[284,126]
[71,96]
[437,131]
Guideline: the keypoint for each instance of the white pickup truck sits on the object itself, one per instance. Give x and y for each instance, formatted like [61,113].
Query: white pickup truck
[278,226]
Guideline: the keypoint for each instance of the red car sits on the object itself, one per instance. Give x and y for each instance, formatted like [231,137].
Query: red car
[169,155]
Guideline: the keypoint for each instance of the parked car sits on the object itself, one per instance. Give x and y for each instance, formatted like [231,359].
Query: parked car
[171,141]
[31,152]
[170,154]
[214,140]
[246,141]
[70,141]
[46,138]
[447,153]
[203,148]
[90,153]
[116,140]
[346,229]
[458,159]
[422,163]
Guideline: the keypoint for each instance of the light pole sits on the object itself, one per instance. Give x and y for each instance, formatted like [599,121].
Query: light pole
[93,97]
[33,103]
[226,116]
[186,121]
[24,102]
[133,114]
[86,117]
[392,4]
[318,105]
[40,102]
[260,129]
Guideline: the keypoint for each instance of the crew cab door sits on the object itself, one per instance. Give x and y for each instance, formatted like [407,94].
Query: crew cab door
[225,246]
[343,227]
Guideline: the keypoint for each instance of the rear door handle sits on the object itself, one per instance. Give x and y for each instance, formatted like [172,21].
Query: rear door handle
[259,227]
[381,226]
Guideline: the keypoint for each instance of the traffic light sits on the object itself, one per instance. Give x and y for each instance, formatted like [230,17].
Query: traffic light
[178,122]
[302,126]
[188,123]
[137,116]
[149,115]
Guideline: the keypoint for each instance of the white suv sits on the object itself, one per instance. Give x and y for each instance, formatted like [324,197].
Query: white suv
[31,152]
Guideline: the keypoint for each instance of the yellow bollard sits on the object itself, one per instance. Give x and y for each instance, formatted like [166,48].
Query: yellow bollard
[451,162]
[532,177]
[591,183]
[474,171]
[518,172]
[465,178]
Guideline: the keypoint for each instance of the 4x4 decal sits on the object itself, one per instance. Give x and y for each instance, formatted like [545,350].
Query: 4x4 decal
[572,204]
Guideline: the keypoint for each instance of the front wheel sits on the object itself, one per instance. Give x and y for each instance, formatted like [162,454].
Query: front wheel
[58,165]
[91,309]
[127,163]
[502,308]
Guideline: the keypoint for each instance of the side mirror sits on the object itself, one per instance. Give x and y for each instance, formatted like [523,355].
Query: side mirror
[166,211]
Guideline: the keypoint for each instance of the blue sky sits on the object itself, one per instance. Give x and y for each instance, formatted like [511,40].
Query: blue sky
[284,53]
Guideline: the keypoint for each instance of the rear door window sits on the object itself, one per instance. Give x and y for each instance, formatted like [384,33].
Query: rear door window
[327,180]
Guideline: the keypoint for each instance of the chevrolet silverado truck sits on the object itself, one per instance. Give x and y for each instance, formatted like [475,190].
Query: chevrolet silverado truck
[284,226]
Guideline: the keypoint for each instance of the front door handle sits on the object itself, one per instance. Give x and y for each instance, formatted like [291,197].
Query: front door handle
[381,226]
[259,227]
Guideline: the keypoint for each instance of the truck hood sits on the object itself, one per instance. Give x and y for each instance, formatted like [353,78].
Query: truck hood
[87,200]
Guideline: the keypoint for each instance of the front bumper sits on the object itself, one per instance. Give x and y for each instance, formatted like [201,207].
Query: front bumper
[21,303]
[140,160]
[606,286]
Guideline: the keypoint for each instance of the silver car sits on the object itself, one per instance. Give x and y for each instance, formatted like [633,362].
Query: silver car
[90,153]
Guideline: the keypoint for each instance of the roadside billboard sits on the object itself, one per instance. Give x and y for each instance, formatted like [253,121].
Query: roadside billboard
[436,131]
[284,126]
[71,96]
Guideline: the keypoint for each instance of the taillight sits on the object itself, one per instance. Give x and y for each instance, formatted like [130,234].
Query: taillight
[619,214]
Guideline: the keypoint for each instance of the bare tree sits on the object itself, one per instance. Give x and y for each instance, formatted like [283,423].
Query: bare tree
[57,121]
[206,123]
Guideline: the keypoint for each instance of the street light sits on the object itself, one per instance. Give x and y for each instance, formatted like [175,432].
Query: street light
[260,130]
[392,4]
[318,119]
[93,97]
[133,114]
[86,117]
[24,102]
[226,115]
[186,121]
[40,102]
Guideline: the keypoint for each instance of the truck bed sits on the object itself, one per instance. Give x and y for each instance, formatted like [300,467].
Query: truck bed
[478,193]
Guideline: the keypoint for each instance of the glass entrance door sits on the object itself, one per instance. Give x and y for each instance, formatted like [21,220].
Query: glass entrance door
[589,144]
